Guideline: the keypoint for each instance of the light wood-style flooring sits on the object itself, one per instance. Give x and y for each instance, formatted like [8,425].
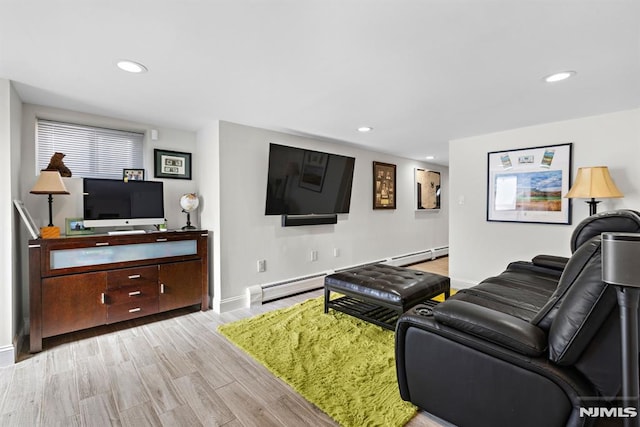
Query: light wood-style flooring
[171,370]
[438,266]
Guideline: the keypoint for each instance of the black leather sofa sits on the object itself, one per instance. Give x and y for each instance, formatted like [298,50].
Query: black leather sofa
[528,347]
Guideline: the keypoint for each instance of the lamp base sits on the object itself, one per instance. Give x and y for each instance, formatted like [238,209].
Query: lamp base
[50,232]
[593,206]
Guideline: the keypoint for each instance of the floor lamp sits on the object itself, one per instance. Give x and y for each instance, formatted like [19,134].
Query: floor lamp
[591,183]
[620,267]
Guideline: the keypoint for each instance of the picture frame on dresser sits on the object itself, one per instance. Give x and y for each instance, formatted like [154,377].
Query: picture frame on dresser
[133,174]
[75,227]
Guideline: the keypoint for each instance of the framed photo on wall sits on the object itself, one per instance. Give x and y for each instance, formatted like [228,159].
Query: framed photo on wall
[527,184]
[171,164]
[428,186]
[384,186]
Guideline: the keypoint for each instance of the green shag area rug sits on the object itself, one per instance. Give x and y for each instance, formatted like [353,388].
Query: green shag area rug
[344,366]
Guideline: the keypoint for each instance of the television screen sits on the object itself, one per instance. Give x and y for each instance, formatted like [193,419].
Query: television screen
[116,202]
[304,182]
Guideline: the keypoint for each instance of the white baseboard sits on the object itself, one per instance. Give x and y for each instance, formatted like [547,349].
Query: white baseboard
[228,304]
[7,356]
[461,283]
[269,292]
[417,257]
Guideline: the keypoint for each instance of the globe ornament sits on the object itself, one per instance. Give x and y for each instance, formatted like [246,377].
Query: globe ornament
[189,202]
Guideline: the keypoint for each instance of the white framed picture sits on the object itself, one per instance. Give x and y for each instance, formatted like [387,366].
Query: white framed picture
[527,185]
[27,219]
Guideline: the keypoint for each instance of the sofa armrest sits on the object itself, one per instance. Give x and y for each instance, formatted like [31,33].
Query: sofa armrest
[550,261]
[494,326]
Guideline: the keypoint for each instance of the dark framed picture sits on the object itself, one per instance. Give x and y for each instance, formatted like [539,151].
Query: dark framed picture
[384,186]
[171,164]
[527,185]
[75,226]
[133,174]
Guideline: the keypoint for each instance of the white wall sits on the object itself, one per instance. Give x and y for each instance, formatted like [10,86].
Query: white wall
[7,326]
[17,243]
[207,166]
[479,249]
[247,235]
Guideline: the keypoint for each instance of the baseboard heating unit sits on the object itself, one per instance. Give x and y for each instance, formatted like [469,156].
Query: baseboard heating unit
[260,294]
[416,257]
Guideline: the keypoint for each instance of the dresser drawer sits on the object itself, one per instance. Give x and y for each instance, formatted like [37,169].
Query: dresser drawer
[130,294]
[131,310]
[132,276]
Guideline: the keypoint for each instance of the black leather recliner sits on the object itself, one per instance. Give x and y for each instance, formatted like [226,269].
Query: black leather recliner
[528,347]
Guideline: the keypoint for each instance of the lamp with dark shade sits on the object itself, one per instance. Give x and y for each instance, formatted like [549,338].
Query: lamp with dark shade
[49,182]
[591,183]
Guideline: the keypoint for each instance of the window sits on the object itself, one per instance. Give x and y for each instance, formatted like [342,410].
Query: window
[90,152]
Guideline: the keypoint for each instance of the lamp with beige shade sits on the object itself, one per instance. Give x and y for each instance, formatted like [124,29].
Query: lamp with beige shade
[591,183]
[49,182]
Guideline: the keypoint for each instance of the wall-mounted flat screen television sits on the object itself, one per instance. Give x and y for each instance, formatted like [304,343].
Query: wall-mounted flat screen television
[113,202]
[305,182]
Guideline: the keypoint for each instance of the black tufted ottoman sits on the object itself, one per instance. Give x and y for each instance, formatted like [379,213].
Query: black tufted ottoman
[380,293]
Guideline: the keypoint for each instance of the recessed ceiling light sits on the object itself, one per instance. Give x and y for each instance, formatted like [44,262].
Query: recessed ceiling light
[132,66]
[430,157]
[557,77]
[365,129]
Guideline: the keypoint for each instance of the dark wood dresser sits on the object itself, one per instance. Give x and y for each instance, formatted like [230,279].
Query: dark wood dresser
[81,282]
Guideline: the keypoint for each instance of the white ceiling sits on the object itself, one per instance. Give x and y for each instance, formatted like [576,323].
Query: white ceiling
[421,72]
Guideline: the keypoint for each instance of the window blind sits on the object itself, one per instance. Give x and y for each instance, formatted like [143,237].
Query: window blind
[90,152]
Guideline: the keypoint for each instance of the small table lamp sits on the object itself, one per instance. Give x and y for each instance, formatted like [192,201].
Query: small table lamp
[620,267]
[592,182]
[49,182]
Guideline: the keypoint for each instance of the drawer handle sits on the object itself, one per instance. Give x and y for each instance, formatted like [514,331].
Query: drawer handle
[102,244]
[161,240]
[134,293]
[133,310]
[102,298]
[162,288]
[134,276]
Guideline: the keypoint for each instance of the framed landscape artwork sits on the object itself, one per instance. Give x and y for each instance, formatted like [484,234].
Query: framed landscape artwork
[527,185]
[384,186]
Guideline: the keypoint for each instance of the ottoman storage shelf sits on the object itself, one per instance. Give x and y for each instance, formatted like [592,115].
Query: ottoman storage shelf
[380,293]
